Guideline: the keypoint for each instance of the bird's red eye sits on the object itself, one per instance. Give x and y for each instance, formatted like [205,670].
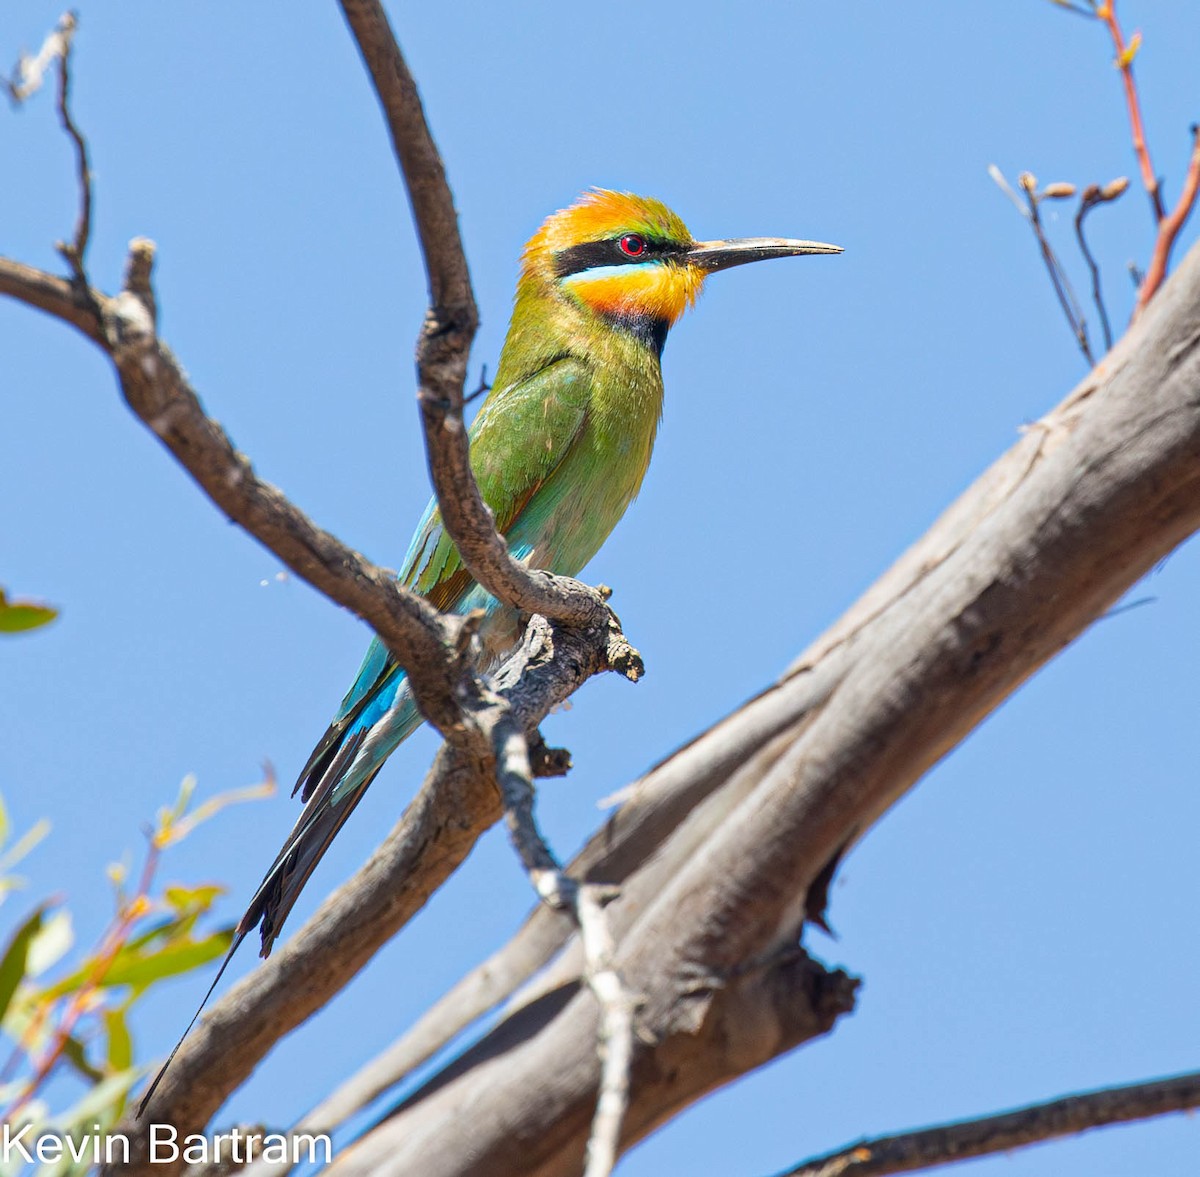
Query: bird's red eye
[632,245]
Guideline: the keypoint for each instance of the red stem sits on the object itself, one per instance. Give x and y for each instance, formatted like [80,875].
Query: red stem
[110,944]
[1107,12]
[1169,227]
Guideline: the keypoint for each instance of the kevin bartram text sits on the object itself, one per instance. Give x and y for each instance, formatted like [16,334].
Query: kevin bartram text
[165,1145]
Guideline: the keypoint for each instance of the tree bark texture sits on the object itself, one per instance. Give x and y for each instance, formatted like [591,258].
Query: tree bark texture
[717,848]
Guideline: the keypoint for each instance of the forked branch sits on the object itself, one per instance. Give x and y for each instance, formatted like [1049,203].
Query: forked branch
[446,337]
[432,647]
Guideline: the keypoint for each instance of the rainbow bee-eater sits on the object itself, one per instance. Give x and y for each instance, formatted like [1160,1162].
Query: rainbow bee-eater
[559,448]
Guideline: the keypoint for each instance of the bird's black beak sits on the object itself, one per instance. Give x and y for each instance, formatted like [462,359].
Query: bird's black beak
[711,256]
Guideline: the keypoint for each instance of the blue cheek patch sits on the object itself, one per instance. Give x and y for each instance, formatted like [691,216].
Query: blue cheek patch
[600,272]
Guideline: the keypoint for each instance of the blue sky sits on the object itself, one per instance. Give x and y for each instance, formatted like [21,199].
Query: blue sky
[1025,919]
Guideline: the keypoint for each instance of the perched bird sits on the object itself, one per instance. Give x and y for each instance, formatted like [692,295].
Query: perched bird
[559,448]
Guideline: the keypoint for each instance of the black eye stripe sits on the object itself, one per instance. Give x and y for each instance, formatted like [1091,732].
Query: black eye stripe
[590,254]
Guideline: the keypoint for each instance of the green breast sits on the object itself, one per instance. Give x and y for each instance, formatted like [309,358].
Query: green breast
[601,469]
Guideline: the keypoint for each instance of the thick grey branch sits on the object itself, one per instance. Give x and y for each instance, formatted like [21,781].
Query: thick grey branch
[942,1144]
[1087,501]
[762,1013]
[683,798]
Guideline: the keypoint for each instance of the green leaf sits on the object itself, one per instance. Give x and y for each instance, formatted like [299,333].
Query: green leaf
[18,616]
[192,900]
[182,824]
[187,789]
[76,1054]
[51,943]
[102,1104]
[16,955]
[162,930]
[24,844]
[140,966]
[120,1044]
[171,960]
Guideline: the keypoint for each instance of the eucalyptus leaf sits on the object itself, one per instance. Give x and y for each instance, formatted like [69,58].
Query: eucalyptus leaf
[51,943]
[14,963]
[19,616]
[169,961]
[193,899]
[76,1054]
[24,844]
[120,1044]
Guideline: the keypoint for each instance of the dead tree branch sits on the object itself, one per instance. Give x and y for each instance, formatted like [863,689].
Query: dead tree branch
[1085,503]
[457,803]
[1094,195]
[943,1144]
[445,339]
[585,902]
[431,647]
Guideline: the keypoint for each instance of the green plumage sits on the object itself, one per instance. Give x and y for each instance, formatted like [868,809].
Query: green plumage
[559,448]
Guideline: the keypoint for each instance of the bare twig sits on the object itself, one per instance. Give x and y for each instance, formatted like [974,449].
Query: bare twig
[1092,196]
[482,389]
[942,1144]
[30,72]
[1058,277]
[75,251]
[615,1039]
[27,79]
[1001,182]
[1079,9]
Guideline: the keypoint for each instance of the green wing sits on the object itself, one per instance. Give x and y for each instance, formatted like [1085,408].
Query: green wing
[522,433]
[518,439]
